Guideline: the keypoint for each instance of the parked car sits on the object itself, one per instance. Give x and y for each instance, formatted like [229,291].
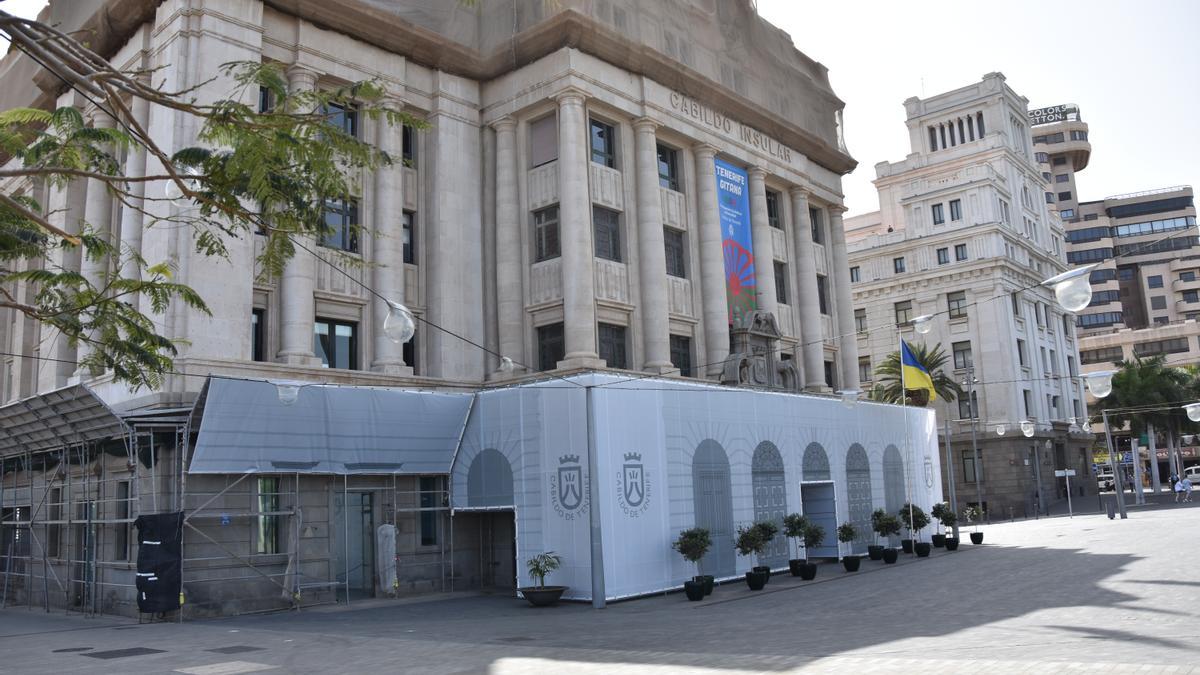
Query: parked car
[1192,473]
[1105,481]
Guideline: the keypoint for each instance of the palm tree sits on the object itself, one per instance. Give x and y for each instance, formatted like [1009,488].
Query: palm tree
[888,372]
[1149,382]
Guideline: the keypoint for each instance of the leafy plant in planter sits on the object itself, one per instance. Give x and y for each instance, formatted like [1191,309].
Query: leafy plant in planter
[885,525]
[767,529]
[794,526]
[949,520]
[539,566]
[813,536]
[973,516]
[750,542]
[847,533]
[938,512]
[693,544]
[915,519]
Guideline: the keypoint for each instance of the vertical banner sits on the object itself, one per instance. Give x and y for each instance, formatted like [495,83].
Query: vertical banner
[733,200]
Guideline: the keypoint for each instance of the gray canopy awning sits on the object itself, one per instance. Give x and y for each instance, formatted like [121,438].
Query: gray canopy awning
[64,417]
[328,430]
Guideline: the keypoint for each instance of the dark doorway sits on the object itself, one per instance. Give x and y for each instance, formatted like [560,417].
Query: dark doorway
[486,556]
[819,503]
[354,549]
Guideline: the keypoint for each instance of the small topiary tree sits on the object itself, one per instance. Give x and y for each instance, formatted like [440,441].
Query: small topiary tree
[693,544]
[846,533]
[914,518]
[794,525]
[750,541]
[948,519]
[767,529]
[939,511]
[973,515]
[542,564]
[884,524]
[813,536]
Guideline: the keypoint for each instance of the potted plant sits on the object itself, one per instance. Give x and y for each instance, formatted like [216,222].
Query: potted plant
[847,533]
[875,551]
[886,525]
[794,525]
[973,515]
[750,542]
[813,536]
[539,566]
[692,545]
[915,519]
[938,512]
[950,521]
[767,529]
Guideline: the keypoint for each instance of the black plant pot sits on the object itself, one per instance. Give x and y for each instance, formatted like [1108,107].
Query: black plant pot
[795,566]
[808,571]
[890,556]
[875,552]
[694,590]
[756,580]
[939,540]
[851,563]
[707,581]
[544,596]
[763,569]
[951,543]
[976,537]
[906,544]
[923,548]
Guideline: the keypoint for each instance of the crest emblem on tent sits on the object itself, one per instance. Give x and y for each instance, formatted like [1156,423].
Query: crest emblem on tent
[633,490]
[568,490]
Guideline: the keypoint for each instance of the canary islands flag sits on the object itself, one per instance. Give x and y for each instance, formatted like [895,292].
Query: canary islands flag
[914,374]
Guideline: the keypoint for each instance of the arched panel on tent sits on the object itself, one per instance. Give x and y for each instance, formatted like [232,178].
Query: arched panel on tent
[893,481]
[490,480]
[815,465]
[858,495]
[712,500]
[770,499]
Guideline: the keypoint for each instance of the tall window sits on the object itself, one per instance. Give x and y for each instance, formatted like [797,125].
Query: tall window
[267,506]
[860,320]
[898,265]
[681,354]
[612,345]
[545,234]
[409,232]
[943,256]
[956,304]
[781,286]
[1022,354]
[1028,396]
[960,252]
[855,275]
[258,334]
[344,117]
[818,228]
[341,225]
[668,167]
[864,369]
[830,375]
[408,145]
[938,216]
[676,256]
[903,312]
[431,500]
[121,530]
[551,346]
[1016,303]
[955,209]
[968,463]
[604,147]
[543,141]
[773,210]
[962,355]
[266,102]
[822,294]
[336,344]
[968,410]
[607,226]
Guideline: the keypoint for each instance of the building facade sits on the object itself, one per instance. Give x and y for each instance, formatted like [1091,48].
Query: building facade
[561,210]
[963,234]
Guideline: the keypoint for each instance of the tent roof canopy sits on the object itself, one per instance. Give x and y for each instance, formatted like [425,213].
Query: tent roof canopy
[245,428]
[64,417]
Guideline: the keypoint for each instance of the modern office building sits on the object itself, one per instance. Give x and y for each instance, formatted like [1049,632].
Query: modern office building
[603,185]
[964,234]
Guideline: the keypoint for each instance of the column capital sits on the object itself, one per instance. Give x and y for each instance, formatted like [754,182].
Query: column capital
[836,210]
[506,123]
[645,124]
[799,192]
[702,149]
[756,172]
[393,101]
[570,96]
[299,75]
[99,118]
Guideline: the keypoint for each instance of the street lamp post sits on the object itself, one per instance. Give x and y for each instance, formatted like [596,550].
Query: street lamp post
[970,382]
[1118,485]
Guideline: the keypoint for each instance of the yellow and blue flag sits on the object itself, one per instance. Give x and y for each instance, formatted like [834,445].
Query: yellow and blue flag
[914,374]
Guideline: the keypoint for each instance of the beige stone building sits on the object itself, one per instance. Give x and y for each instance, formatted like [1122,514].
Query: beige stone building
[561,210]
[964,235]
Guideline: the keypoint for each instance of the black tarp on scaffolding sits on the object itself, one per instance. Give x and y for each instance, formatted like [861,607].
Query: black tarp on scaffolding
[246,428]
[159,562]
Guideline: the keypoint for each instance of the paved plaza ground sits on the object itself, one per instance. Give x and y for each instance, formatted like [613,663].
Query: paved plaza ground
[1054,595]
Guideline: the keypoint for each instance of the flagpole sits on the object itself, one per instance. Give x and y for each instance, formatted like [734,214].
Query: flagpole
[907,447]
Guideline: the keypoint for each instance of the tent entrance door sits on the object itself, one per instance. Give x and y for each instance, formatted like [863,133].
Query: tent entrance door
[354,550]
[488,545]
[819,502]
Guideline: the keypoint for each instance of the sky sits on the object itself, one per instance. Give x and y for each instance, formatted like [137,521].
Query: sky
[1133,67]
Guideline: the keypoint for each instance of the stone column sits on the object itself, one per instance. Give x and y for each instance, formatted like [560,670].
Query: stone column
[712,263]
[652,256]
[764,248]
[510,295]
[387,276]
[843,304]
[97,216]
[575,227]
[811,332]
[131,218]
[296,286]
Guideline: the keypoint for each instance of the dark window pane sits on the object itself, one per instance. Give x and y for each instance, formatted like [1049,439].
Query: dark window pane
[822,294]
[668,171]
[607,226]
[612,345]
[603,152]
[773,210]
[336,344]
[676,256]
[681,354]
[258,326]
[431,498]
[545,234]
[781,287]
[551,347]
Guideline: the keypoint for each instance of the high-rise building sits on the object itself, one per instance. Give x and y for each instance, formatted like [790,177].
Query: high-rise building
[964,234]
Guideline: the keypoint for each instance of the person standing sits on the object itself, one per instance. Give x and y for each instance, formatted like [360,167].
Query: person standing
[1187,489]
[1178,491]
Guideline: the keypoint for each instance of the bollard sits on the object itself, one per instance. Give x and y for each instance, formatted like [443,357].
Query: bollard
[1112,511]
